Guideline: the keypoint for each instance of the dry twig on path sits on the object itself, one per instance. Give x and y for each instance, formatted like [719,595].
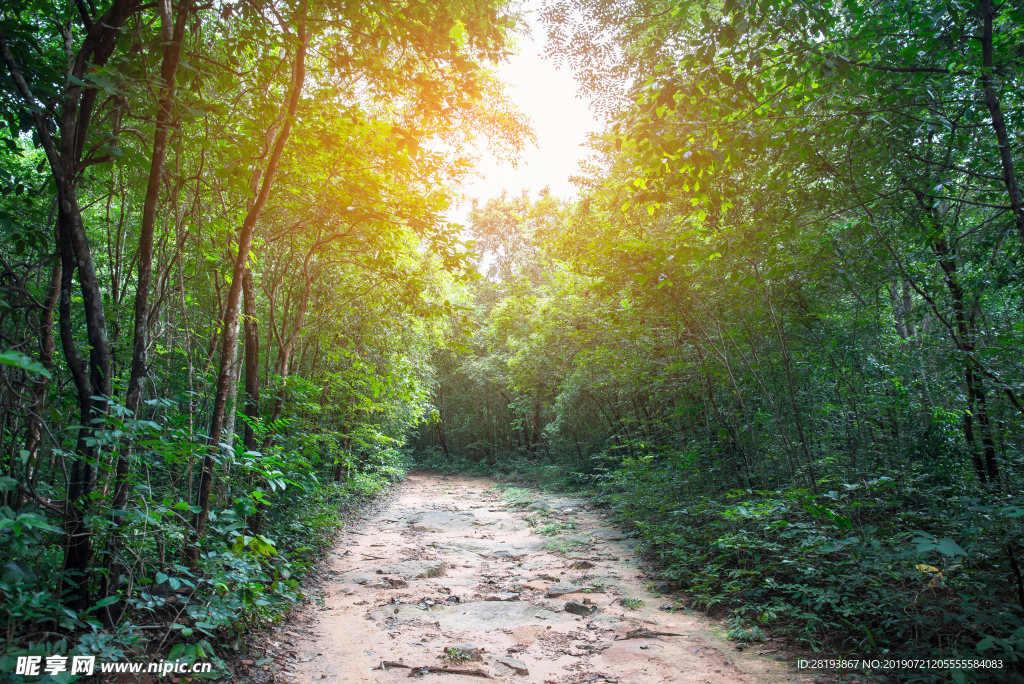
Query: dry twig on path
[645,634]
[427,669]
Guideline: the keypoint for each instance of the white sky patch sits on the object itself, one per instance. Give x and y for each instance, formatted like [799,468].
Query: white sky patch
[560,119]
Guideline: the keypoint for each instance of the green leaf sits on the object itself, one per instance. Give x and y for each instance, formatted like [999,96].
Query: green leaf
[19,360]
[109,601]
[948,547]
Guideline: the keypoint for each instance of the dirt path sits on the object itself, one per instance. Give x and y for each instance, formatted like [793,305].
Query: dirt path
[449,568]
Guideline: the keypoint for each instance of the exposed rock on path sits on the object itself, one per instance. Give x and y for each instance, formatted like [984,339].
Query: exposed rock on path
[449,563]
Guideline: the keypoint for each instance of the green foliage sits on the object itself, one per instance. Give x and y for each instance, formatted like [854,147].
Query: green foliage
[632,603]
[517,496]
[19,360]
[559,545]
[455,656]
[243,581]
[778,333]
[829,569]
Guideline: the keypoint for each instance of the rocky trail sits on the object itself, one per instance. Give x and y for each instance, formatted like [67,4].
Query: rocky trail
[449,583]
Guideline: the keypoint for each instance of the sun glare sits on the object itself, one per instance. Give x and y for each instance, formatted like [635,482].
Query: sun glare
[561,120]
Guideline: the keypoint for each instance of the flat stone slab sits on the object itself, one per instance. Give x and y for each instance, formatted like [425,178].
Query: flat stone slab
[568,542]
[577,538]
[489,549]
[357,577]
[517,666]
[415,569]
[577,608]
[446,548]
[440,521]
[607,535]
[556,590]
[458,581]
[484,615]
[607,622]
[402,613]
[503,596]
[503,553]
[534,565]
[514,525]
[568,503]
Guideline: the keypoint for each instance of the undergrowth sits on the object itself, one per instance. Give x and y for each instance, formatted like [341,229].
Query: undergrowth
[244,581]
[857,571]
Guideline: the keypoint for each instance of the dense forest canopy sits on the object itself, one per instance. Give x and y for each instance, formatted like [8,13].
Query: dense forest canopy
[778,330]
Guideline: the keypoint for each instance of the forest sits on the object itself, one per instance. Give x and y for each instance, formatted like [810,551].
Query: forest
[778,332]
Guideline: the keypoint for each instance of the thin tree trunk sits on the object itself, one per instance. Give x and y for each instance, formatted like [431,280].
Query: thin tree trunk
[787,366]
[972,445]
[284,357]
[439,425]
[252,360]
[230,410]
[47,346]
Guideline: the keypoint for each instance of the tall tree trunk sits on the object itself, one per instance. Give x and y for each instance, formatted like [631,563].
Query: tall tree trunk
[898,312]
[92,380]
[987,471]
[231,308]
[252,383]
[988,10]
[77,548]
[988,468]
[173,35]
[972,444]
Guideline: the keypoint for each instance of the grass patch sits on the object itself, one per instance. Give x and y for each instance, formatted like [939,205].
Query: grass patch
[559,545]
[554,529]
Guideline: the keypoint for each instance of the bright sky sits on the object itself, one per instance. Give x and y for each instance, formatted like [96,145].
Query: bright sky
[560,120]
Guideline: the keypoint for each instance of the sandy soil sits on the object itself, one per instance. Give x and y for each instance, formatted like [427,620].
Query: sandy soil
[448,569]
